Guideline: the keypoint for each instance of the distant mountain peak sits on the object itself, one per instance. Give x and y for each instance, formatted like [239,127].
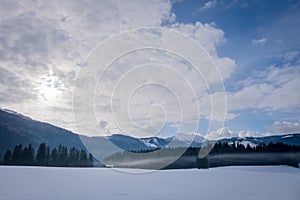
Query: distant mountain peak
[190,137]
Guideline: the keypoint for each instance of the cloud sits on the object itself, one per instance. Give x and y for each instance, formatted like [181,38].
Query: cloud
[277,128]
[226,132]
[45,41]
[210,38]
[155,106]
[206,34]
[273,88]
[42,39]
[208,5]
[290,56]
[258,42]
[285,127]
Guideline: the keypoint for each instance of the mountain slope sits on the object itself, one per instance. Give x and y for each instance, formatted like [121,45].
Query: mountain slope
[18,129]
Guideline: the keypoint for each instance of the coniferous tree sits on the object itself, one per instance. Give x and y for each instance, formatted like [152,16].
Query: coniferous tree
[72,157]
[7,157]
[62,155]
[30,155]
[41,155]
[54,157]
[65,156]
[47,157]
[17,155]
[91,160]
[77,157]
[48,153]
[25,157]
[83,158]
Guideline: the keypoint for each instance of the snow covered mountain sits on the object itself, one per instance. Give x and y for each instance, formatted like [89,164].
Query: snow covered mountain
[194,140]
[180,140]
[291,139]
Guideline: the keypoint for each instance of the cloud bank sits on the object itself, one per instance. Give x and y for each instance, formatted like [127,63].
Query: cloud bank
[285,127]
[43,45]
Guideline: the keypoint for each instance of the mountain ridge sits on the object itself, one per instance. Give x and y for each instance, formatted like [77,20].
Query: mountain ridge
[19,129]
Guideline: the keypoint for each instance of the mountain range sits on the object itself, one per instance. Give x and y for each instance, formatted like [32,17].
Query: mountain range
[16,128]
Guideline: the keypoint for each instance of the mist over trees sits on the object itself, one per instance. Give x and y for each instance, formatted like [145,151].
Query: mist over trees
[222,154]
[45,156]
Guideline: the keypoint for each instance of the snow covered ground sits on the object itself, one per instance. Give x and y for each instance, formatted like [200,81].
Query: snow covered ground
[241,183]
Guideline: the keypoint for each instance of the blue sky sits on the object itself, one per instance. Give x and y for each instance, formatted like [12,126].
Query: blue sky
[244,21]
[273,22]
[255,45]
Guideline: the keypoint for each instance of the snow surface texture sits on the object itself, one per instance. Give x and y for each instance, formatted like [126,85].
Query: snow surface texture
[41,183]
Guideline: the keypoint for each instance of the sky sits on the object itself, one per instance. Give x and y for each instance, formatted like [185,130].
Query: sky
[48,50]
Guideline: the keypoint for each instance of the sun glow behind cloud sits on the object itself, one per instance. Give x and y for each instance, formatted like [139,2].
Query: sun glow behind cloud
[49,89]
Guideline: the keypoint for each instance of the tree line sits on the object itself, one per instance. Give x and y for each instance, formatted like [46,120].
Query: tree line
[45,156]
[233,150]
[236,147]
[218,148]
[73,157]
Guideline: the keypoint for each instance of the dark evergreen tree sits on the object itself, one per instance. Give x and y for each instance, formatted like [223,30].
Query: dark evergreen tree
[27,156]
[91,160]
[47,157]
[41,155]
[7,158]
[54,157]
[48,154]
[72,157]
[62,155]
[77,157]
[65,156]
[17,155]
[83,158]
[30,155]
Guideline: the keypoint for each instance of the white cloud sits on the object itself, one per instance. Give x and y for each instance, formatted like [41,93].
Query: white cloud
[277,128]
[42,39]
[260,41]
[221,133]
[285,127]
[206,34]
[226,132]
[274,88]
[208,5]
[210,38]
